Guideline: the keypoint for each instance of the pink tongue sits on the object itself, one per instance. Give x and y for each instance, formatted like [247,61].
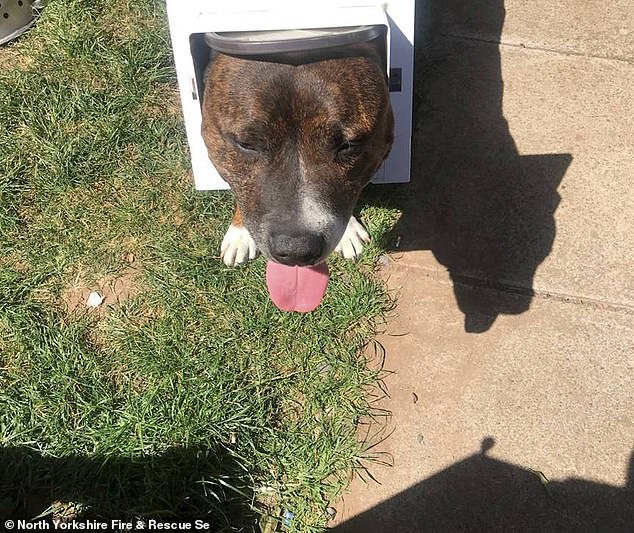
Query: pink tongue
[294,288]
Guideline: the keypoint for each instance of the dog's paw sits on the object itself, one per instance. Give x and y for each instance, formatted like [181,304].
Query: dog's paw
[354,239]
[237,246]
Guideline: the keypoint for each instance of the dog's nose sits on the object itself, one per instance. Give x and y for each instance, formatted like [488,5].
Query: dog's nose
[296,248]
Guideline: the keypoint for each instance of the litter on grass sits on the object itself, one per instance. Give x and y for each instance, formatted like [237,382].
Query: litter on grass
[95,299]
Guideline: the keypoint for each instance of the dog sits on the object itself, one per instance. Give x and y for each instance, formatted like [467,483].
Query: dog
[297,138]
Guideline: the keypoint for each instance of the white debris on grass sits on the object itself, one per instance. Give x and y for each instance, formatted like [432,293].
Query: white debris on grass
[95,299]
[267,489]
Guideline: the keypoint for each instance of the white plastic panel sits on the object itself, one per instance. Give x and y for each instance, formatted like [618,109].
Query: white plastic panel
[187,17]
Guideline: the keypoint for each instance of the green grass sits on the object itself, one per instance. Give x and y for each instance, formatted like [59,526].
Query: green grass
[194,397]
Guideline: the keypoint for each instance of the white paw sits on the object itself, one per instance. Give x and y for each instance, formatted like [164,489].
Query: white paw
[354,238]
[237,246]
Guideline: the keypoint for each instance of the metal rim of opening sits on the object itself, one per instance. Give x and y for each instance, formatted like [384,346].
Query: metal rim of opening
[285,41]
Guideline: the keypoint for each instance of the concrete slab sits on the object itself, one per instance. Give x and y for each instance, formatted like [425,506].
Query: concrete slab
[580,106]
[593,28]
[523,166]
[550,391]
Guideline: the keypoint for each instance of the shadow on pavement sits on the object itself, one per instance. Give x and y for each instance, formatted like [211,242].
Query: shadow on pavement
[179,483]
[485,211]
[482,494]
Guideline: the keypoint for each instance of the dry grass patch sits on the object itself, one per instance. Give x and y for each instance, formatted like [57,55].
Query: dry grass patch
[115,290]
[11,58]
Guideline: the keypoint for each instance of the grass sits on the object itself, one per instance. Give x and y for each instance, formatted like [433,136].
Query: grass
[193,396]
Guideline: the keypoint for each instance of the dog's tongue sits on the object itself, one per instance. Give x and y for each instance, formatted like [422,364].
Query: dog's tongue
[295,288]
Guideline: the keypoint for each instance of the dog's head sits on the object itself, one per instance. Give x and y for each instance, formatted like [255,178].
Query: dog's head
[297,142]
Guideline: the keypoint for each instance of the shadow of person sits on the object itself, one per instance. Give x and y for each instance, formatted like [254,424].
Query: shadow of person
[181,483]
[481,494]
[485,211]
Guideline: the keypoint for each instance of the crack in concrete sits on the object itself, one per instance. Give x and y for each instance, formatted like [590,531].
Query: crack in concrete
[477,283]
[586,301]
[523,46]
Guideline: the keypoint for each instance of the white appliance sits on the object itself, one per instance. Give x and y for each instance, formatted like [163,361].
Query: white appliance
[190,20]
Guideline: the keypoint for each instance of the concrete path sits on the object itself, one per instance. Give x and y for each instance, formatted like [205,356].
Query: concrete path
[512,345]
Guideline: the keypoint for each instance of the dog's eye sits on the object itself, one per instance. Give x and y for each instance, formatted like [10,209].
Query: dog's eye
[348,148]
[246,147]
[243,145]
